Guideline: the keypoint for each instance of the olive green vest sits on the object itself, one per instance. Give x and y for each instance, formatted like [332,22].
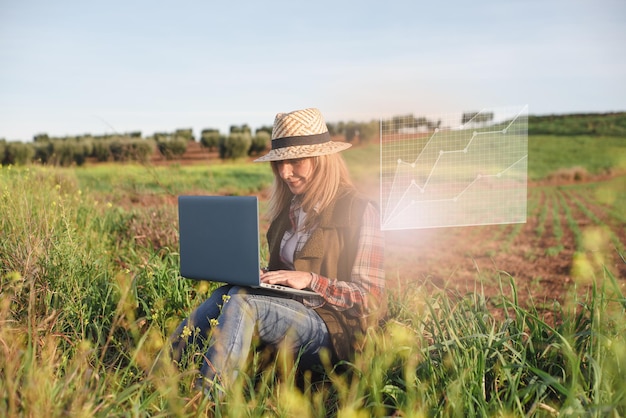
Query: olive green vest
[330,251]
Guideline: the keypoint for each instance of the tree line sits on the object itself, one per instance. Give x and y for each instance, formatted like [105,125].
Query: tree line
[239,142]
[595,124]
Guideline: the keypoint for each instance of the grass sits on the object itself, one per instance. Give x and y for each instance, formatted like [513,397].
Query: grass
[89,292]
[547,154]
[218,177]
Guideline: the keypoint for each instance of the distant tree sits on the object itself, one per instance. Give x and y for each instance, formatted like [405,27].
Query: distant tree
[210,138]
[141,149]
[340,128]
[18,153]
[235,145]
[104,137]
[221,147]
[467,116]
[86,147]
[369,131]
[259,143]
[266,128]
[421,121]
[351,131]
[172,148]
[43,152]
[332,129]
[186,134]
[81,150]
[41,138]
[124,148]
[63,152]
[118,151]
[161,136]
[361,132]
[404,121]
[387,126]
[407,123]
[101,150]
[240,129]
[477,117]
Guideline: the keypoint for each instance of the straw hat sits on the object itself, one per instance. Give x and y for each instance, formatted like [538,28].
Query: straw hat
[300,134]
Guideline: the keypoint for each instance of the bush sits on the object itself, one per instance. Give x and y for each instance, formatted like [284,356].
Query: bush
[101,150]
[266,128]
[351,131]
[259,142]
[41,138]
[235,146]
[222,146]
[63,152]
[172,148]
[3,146]
[43,152]
[118,151]
[186,134]
[210,138]
[129,149]
[18,153]
[141,149]
[240,129]
[86,147]
[369,131]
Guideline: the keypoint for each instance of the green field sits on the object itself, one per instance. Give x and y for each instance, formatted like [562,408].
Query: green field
[89,292]
[549,154]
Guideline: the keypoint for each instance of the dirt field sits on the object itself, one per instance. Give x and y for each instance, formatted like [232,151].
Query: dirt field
[541,262]
[539,254]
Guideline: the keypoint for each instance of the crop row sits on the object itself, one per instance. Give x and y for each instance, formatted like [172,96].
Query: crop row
[570,234]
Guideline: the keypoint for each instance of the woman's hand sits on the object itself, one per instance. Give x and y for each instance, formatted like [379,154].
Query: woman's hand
[295,279]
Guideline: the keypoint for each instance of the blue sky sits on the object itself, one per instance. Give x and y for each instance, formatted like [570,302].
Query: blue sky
[75,67]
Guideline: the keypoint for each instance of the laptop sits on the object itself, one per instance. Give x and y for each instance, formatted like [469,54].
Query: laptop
[219,241]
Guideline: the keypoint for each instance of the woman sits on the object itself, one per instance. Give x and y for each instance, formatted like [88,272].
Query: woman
[323,236]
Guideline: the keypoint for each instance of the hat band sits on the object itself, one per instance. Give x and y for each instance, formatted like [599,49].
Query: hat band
[291,141]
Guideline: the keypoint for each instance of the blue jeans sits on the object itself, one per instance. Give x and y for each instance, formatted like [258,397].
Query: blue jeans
[242,313]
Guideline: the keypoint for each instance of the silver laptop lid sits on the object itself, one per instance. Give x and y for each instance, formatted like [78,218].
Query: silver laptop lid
[219,238]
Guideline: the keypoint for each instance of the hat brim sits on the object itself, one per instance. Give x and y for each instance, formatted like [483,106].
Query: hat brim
[304,151]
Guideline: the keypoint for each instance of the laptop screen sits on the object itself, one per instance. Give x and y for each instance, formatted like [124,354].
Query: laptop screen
[219,238]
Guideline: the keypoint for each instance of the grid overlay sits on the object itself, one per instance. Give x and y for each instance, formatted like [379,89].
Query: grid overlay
[457,169]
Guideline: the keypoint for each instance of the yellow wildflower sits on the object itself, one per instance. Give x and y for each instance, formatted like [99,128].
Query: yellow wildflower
[186,332]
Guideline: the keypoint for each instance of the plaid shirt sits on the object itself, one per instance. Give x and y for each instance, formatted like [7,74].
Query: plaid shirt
[366,289]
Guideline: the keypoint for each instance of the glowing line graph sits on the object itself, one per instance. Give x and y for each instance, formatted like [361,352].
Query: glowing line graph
[449,182]
[455,198]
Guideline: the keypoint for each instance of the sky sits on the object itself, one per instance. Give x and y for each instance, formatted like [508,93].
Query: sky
[77,67]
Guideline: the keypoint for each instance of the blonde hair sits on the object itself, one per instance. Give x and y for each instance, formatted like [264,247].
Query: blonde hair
[330,174]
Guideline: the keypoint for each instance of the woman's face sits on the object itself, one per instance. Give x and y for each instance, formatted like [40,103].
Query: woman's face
[296,173]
